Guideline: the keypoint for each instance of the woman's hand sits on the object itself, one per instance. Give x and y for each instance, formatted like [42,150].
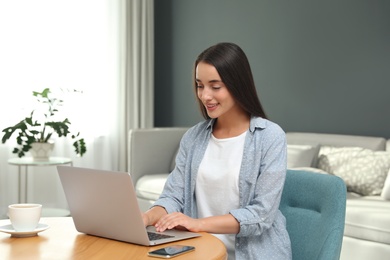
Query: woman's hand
[179,221]
[151,216]
[158,217]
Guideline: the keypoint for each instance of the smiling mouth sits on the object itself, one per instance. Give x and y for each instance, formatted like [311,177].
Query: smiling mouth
[211,107]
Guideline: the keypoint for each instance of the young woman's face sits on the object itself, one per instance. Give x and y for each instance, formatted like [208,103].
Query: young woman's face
[212,91]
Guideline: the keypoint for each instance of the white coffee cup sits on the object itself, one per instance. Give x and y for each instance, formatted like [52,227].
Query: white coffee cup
[24,217]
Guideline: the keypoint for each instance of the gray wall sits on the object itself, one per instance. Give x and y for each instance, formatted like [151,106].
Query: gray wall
[321,66]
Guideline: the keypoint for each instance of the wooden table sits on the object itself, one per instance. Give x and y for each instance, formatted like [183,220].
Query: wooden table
[62,241]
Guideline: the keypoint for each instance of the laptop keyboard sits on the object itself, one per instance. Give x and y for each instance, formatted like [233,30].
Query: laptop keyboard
[156,236]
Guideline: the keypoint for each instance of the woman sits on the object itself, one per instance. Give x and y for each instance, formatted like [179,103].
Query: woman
[230,169]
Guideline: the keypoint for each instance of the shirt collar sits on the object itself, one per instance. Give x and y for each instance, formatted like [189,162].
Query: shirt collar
[256,122]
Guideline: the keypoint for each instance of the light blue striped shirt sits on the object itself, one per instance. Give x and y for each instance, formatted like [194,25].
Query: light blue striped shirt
[263,233]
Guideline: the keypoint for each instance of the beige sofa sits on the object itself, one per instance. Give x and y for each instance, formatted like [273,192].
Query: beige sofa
[359,160]
[367,224]
[151,158]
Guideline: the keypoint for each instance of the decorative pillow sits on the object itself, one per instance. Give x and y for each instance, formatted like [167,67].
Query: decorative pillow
[301,155]
[386,188]
[364,171]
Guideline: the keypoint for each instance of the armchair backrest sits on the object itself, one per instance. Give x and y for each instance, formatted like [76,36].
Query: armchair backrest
[314,207]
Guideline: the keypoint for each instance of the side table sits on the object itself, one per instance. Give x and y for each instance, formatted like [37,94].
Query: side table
[25,162]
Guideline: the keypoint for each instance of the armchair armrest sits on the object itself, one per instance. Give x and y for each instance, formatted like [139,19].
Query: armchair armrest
[151,150]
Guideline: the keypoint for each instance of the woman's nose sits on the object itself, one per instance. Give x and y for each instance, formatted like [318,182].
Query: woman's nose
[206,94]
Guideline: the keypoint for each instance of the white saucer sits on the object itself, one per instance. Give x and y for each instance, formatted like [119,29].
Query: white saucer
[10,230]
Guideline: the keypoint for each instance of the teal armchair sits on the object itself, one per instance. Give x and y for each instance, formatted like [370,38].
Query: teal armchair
[314,206]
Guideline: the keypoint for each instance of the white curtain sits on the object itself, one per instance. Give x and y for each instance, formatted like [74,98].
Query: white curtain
[138,69]
[103,48]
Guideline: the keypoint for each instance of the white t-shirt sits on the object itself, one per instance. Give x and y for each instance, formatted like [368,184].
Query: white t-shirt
[216,188]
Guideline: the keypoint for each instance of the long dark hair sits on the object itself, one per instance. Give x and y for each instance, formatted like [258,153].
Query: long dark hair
[233,67]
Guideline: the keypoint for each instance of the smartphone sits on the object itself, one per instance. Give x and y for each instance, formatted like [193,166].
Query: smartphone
[171,251]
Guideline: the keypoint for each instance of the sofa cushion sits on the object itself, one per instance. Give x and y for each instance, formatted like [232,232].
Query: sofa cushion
[302,155]
[367,218]
[151,186]
[386,188]
[364,171]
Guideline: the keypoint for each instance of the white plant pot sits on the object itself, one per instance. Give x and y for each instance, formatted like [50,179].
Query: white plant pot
[41,151]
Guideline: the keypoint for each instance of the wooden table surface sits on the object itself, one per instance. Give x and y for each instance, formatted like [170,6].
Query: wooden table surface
[62,241]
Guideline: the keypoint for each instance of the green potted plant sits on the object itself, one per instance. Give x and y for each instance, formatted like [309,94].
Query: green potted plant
[39,127]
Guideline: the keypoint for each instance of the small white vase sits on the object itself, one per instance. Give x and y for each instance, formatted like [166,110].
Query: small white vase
[41,151]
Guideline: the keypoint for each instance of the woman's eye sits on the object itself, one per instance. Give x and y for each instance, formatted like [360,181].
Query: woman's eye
[216,87]
[199,86]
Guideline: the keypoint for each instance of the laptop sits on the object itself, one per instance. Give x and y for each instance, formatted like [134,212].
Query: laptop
[104,203]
